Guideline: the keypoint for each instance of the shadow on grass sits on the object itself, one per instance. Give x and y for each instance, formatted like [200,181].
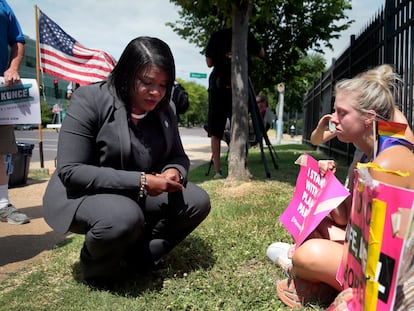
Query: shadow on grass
[192,254]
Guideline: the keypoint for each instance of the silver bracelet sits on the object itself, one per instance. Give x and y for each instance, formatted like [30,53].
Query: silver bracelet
[143,186]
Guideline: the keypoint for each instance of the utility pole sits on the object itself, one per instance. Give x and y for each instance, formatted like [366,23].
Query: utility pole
[279,130]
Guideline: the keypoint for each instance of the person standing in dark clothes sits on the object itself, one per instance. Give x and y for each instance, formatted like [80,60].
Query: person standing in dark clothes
[218,56]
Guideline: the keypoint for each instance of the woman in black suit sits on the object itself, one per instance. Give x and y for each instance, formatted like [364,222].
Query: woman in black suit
[121,176]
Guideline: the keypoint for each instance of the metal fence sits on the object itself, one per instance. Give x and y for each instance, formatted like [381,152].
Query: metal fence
[387,39]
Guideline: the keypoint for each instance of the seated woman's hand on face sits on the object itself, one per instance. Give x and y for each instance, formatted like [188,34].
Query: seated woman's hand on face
[168,181]
[323,123]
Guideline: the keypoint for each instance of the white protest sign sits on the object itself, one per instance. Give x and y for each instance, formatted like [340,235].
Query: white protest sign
[20,103]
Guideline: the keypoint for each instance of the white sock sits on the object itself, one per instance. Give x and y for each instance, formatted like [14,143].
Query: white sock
[4,195]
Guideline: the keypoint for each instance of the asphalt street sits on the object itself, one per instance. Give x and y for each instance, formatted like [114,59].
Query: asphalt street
[195,142]
[49,138]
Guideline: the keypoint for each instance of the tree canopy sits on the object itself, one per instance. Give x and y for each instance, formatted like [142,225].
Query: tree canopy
[288,30]
[198,97]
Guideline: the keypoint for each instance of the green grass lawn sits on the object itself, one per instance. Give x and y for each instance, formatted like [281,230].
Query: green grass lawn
[221,266]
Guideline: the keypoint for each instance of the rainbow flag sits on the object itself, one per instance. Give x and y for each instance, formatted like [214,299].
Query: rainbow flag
[391,129]
[392,133]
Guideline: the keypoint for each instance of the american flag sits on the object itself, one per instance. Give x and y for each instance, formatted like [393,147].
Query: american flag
[63,57]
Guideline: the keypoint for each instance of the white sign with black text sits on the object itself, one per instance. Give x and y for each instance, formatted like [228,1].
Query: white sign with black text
[20,103]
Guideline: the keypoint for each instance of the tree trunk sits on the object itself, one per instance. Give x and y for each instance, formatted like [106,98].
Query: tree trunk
[237,166]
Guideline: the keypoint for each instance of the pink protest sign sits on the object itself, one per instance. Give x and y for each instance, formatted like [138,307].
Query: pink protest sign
[315,196]
[380,217]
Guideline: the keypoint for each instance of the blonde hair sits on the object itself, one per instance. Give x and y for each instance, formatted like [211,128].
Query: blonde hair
[374,90]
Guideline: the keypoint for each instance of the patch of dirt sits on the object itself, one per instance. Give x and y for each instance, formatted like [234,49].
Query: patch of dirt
[246,189]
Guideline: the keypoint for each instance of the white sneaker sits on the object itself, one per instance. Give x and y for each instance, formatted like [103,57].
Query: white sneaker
[11,215]
[218,175]
[278,254]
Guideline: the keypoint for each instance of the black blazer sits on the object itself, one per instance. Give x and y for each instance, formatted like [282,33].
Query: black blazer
[93,152]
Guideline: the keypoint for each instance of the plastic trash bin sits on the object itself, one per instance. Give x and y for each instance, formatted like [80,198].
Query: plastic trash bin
[21,163]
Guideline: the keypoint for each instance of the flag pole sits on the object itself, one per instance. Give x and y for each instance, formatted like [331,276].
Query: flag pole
[42,165]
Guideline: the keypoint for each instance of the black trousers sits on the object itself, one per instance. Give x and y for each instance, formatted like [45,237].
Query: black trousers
[120,230]
[219,109]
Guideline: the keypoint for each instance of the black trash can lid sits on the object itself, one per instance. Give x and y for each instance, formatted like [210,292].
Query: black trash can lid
[23,146]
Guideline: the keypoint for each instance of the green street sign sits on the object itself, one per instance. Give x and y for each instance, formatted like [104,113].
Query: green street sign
[198,75]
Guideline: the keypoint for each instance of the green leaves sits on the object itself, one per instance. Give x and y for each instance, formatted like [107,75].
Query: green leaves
[288,30]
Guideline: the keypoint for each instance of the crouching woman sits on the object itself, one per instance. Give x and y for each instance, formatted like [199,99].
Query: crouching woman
[121,177]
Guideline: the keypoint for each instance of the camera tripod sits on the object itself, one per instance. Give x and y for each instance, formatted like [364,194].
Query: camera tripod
[259,131]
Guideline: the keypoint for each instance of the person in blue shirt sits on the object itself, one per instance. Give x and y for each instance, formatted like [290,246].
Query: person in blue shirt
[11,36]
